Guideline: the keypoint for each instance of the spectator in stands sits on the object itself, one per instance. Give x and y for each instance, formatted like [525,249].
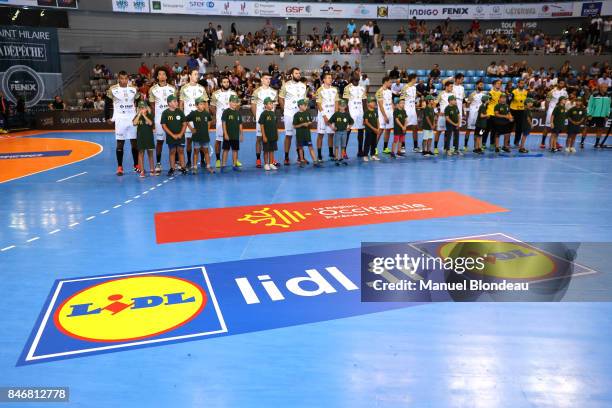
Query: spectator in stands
[435,71]
[367,33]
[97,72]
[397,48]
[328,31]
[88,103]
[350,27]
[365,82]
[377,38]
[396,87]
[219,36]
[177,69]
[57,104]
[394,73]
[144,70]
[413,26]
[492,69]
[99,103]
[171,45]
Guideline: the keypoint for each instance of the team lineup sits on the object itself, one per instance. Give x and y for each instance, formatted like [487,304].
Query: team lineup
[183,120]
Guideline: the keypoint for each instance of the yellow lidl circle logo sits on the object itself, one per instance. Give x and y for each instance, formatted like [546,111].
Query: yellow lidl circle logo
[130,308]
[503,260]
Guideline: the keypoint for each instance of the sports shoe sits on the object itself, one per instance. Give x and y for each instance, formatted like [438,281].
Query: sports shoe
[387,150]
[523,150]
[376,151]
[137,168]
[170,172]
[273,167]
[258,163]
[120,171]
[210,170]
[345,156]
[449,152]
[238,163]
[582,145]
[436,151]
[567,150]
[393,156]
[183,171]
[497,150]
[275,163]
[194,170]
[366,159]
[375,158]
[506,149]
[465,148]
[542,146]
[266,167]
[416,150]
[158,169]
[287,162]
[218,164]
[142,174]
[317,163]
[337,163]
[572,150]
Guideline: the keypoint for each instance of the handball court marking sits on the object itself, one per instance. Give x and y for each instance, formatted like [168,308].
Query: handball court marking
[89,218]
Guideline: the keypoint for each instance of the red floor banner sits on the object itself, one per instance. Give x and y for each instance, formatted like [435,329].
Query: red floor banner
[228,222]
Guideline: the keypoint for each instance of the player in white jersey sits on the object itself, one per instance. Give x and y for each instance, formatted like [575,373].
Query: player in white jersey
[327,103]
[220,102]
[474,102]
[290,93]
[356,94]
[551,102]
[188,95]
[409,94]
[442,104]
[257,107]
[459,92]
[384,100]
[124,99]
[158,96]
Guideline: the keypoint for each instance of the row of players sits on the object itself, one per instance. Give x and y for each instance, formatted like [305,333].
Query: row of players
[488,114]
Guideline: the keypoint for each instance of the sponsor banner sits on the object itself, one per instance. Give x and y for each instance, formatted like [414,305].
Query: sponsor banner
[131,6]
[308,215]
[591,9]
[34,155]
[366,11]
[101,314]
[29,64]
[71,120]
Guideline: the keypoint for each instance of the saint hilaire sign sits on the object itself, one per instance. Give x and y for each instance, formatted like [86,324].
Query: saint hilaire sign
[102,314]
[308,215]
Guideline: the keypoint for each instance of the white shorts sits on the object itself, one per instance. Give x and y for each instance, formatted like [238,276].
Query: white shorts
[549,113]
[441,123]
[472,118]
[322,128]
[159,132]
[124,129]
[411,115]
[461,124]
[427,134]
[288,119]
[219,130]
[357,115]
[381,119]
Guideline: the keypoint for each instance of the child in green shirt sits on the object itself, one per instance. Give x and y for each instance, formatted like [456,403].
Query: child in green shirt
[372,133]
[302,120]
[503,123]
[399,128]
[451,114]
[201,119]
[576,117]
[174,124]
[482,119]
[428,123]
[144,136]
[269,133]
[232,132]
[340,121]
[559,115]
[527,118]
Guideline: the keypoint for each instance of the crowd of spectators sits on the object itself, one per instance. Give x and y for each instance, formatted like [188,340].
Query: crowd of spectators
[589,36]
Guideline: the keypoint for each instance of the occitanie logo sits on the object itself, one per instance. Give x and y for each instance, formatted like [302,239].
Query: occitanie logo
[130,308]
[274,218]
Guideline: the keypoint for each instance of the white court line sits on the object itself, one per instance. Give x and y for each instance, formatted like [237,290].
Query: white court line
[55,231]
[159,185]
[127,201]
[90,218]
[165,181]
[73,224]
[117,206]
[138,196]
[104,212]
[152,188]
[145,192]
[33,239]
[7,248]
[68,178]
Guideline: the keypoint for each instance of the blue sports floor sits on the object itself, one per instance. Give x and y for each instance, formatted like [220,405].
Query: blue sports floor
[431,355]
